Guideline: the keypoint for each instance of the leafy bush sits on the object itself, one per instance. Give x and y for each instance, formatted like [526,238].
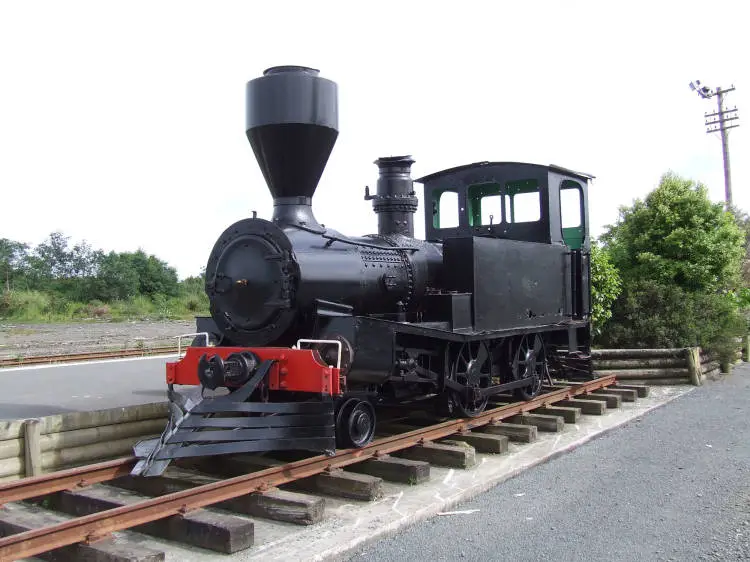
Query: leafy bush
[651,315]
[25,305]
[679,256]
[677,236]
[605,287]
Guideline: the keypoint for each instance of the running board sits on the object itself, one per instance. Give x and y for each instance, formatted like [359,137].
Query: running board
[229,424]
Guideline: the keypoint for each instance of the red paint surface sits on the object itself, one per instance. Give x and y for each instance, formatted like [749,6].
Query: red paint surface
[299,370]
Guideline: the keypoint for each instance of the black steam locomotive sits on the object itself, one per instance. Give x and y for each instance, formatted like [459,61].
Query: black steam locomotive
[311,330]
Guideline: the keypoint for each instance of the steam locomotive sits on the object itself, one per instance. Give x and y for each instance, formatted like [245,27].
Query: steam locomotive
[311,331]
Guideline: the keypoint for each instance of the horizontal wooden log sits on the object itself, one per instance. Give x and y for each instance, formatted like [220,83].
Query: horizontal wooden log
[439,454]
[637,353]
[212,530]
[640,389]
[94,452]
[588,407]
[668,381]
[649,373]
[81,420]
[394,469]
[280,505]
[569,415]
[343,484]
[482,442]
[336,482]
[513,431]
[19,517]
[627,395]
[10,448]
[611,400]
[103,434]
[542,422]
[12,466]
[641,363]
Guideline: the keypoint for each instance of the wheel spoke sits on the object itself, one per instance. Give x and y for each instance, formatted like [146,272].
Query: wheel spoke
[537,345]
[470,367]
[529,361]
[482,356]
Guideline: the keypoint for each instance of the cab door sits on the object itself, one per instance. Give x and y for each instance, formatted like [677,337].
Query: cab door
[574,233]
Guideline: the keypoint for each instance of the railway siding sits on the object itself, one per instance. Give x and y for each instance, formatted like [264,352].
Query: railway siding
[30,447]
[436,481]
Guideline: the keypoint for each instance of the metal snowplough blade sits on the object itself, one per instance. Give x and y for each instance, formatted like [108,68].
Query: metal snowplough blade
[229,424]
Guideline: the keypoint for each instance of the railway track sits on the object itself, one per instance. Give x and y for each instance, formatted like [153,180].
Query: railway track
[103,498]
[88,356]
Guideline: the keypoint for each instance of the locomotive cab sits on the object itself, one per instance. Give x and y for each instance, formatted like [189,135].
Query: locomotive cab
[505,228]
[510,200]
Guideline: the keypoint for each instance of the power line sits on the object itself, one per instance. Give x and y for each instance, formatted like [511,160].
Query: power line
[720,121]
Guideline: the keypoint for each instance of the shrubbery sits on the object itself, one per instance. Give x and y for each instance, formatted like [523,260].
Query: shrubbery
[606,286]
[680,259]
[54,282]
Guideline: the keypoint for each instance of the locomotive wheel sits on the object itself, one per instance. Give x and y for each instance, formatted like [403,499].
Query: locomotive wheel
[472,368]
[529,360]
[355,424]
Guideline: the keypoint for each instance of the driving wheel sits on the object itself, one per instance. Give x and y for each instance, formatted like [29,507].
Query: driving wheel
[471,368]
[529,361]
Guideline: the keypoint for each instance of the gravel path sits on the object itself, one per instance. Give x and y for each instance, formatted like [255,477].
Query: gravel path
[672,485]
[43,339]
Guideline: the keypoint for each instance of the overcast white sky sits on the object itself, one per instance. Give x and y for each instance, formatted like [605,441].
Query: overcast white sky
[122,123]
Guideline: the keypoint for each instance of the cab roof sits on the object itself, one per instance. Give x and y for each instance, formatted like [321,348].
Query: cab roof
[551,167]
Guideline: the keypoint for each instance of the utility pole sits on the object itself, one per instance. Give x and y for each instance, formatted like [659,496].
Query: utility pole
[721,120]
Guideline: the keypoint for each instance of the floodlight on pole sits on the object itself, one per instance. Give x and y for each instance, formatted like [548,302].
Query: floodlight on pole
[723,121]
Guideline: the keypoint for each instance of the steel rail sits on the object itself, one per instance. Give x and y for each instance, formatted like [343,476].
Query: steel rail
[71,357]
[78,477]
[98,525]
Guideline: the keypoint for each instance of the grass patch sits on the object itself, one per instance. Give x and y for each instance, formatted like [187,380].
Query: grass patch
[39,307]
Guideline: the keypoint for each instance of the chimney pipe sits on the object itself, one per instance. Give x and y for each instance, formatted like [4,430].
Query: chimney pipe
[395,201]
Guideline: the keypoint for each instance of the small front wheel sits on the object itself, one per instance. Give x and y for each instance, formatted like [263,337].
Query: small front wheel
[355,424]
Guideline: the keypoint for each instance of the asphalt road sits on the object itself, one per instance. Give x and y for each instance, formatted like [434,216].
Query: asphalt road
[56,389]
[671,485]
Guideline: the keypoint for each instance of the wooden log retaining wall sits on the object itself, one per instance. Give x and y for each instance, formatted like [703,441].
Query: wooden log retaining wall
[689,365]
[35,446]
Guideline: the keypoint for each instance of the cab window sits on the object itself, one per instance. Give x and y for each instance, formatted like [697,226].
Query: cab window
[572,213]
[523,201]
[445,209]
[485,202]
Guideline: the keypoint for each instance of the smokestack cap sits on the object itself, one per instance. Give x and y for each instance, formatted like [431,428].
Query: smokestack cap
[292,125]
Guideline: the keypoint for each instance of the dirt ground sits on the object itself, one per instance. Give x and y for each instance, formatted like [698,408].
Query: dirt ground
[45,339]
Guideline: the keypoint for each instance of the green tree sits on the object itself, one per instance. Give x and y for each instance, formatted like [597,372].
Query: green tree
[677,235]
[116,278]
[606,286]
[679,256]
[13,257]
[155,277]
